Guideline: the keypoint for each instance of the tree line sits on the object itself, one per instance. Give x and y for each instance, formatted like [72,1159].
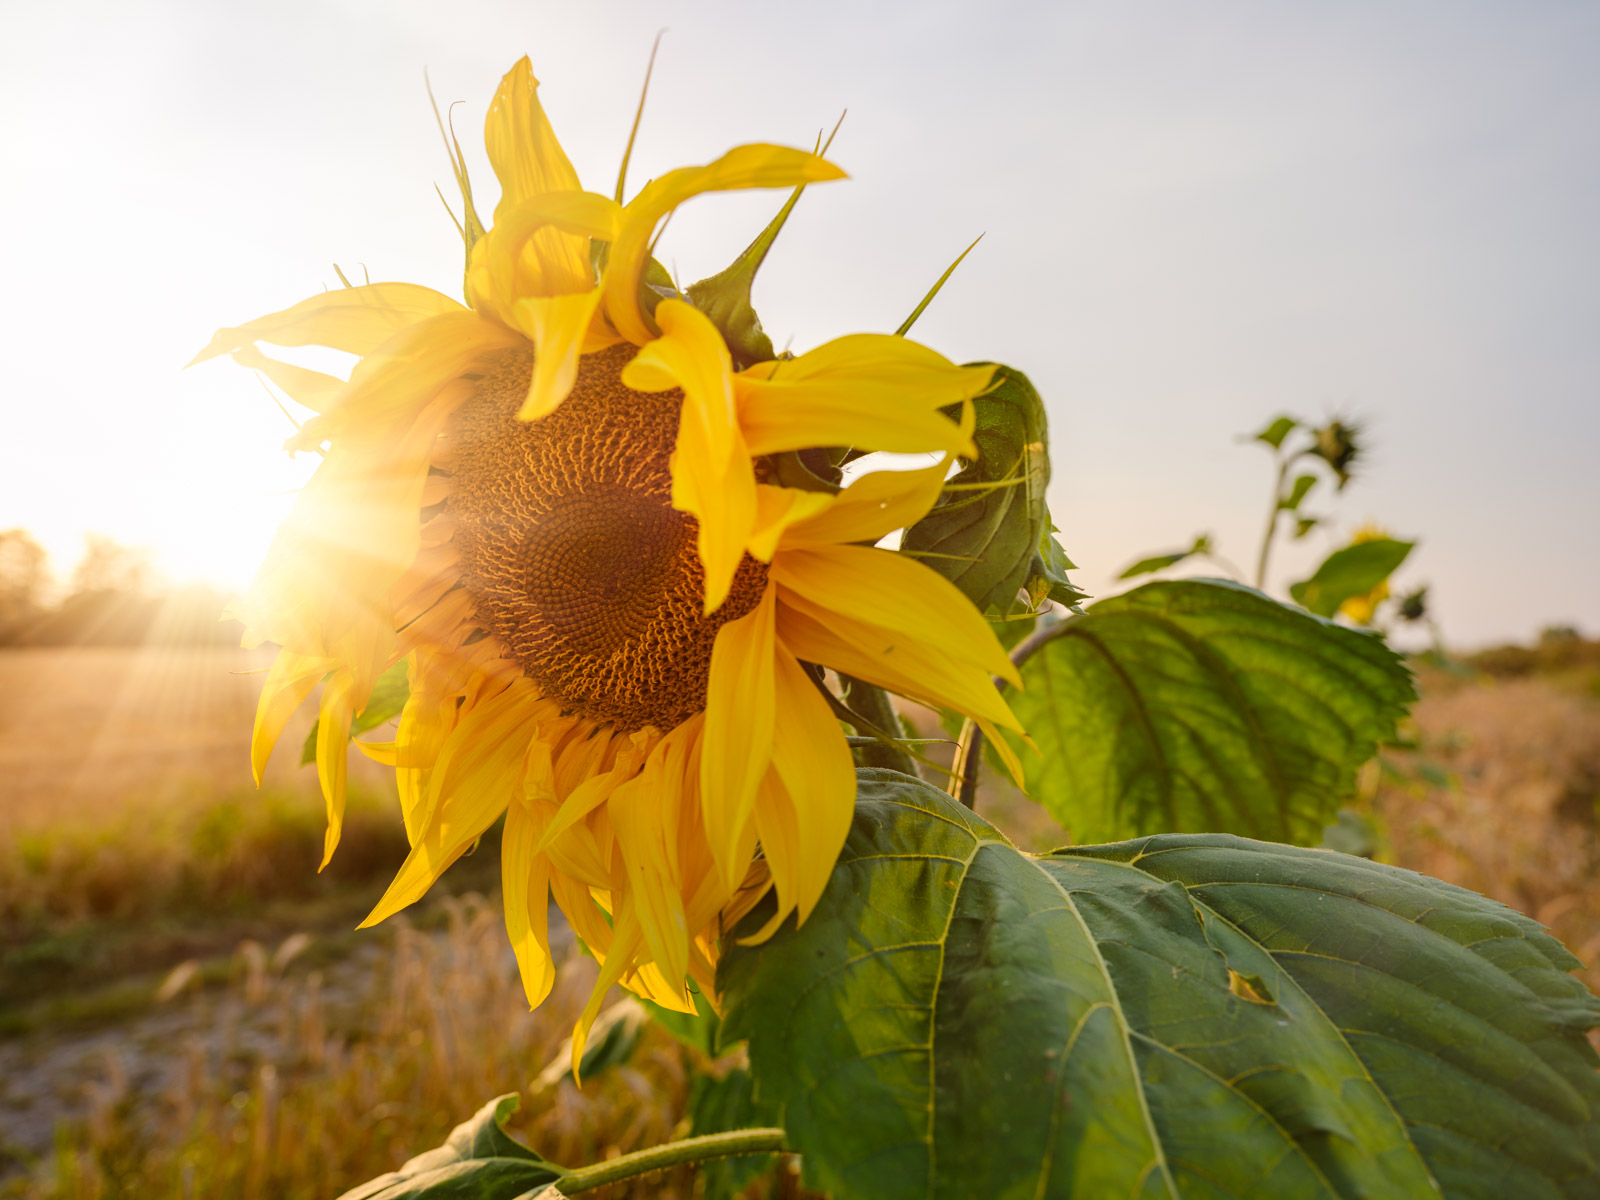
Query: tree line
[111,599]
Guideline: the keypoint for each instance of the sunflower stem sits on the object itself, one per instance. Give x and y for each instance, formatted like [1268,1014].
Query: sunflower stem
[969,747]
[672,1154]
[874,705]
[969,755]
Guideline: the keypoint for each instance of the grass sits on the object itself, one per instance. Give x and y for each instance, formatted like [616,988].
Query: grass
[185,1007]
[86,911]
[185,991]
[276,1083]
[1509,802]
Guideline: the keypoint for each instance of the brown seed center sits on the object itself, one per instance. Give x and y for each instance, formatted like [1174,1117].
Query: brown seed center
[572,551]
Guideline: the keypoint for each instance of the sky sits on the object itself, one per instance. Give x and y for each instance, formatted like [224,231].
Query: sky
[1195,216]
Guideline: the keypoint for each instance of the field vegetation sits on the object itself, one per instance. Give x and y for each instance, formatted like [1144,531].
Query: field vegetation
[185,1009]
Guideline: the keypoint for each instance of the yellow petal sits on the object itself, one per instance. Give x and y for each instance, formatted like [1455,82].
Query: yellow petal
[804,806]
[636,809]
[333,754]
[752,166]
[777,510]
[289,681]
[410,371]
[737,742]
[384,753]
[712,476]
[779,828]
[810,755]
[558,327]
[525,253]
[540,248]
[478,772]
[882,588]
[1008,756]
[357,320]
[582,912]
[616,963]
[890,659]
[523,149]
[525,886]
[690,354]
[595,790]
[872,506]
[310,389]
[868,390]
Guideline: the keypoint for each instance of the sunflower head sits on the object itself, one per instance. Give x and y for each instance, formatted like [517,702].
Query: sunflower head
[597,525]
[572,551]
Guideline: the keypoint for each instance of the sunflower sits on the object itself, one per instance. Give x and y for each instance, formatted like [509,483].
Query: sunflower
[557,506]
[1362,608]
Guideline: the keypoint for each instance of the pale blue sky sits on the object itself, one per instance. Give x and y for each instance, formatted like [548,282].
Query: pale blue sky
[1197,215]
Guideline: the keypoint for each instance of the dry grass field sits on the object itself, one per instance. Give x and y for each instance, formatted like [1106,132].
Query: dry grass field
[184,1010]
[1516,817]
[96,733]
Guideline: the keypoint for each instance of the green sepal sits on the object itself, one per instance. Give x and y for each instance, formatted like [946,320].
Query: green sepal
[811,470]
[655,281]
[1352,571]
[990,532]
[390,692]
[1047,572]
[468,226]
[479,1161]
[725,296]
[927,299]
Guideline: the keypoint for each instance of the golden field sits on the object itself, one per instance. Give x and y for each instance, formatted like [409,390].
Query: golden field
[141,727]
[185,1010]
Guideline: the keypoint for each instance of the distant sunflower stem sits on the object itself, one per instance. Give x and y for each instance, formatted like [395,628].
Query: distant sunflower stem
[969,747]
[665,1157]
[1271,534]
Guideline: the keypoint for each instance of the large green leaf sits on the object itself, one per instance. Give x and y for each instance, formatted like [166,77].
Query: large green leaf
[1202,705]
[479,1161]
[991,533]
[718,1104]
[1353,571]
[1182,1016]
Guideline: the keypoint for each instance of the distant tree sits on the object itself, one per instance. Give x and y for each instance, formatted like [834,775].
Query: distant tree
[24,574]
[109,566]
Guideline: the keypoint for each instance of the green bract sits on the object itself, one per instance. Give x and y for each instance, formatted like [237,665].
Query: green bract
[991,534]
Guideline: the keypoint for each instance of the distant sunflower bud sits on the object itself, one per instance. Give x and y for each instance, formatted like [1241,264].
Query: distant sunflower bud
[1414,605]
[1341,445]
